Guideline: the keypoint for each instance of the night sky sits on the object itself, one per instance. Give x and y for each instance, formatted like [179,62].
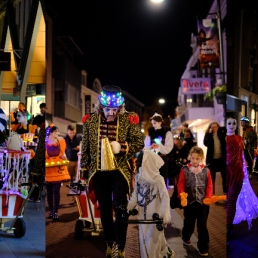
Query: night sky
[134,44]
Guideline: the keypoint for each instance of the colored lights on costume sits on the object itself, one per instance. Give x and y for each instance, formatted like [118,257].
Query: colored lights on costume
[111,100]
[247,201]
[158,140]
[57,163]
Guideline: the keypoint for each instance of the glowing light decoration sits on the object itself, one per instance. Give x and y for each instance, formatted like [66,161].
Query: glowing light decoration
[247,201]
[111,100]
[158,140]
[57,163]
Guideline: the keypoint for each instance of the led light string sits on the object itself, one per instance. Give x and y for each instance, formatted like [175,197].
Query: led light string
[247,201]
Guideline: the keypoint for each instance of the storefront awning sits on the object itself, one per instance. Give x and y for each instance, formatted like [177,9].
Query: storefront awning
[234,104]
[192,116]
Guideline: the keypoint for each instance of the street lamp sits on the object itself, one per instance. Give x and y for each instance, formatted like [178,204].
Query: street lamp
[157,1]
[162,101]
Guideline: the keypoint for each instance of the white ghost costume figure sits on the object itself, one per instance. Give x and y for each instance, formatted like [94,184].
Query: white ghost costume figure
[150,196]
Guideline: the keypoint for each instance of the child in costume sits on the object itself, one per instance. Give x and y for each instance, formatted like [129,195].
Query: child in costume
[195,182]
[150,196]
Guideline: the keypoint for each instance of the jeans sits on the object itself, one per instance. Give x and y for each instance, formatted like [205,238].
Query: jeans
[111,191]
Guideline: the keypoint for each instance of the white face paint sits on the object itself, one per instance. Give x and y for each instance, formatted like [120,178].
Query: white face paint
[110,113]
[20,117]
[231,126]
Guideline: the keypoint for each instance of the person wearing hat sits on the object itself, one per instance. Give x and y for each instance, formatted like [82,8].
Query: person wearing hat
[250,143]
[108,186]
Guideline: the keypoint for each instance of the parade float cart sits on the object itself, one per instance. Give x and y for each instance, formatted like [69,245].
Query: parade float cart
[14,190]
[89,213]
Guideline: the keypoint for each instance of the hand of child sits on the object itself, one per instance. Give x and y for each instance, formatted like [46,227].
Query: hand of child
[183,196]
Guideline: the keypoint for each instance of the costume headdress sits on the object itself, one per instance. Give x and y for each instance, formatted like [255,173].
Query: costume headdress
[48,131]
[246,119]
[156,115]
[111,96]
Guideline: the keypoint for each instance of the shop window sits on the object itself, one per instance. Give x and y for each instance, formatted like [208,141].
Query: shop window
[73,98]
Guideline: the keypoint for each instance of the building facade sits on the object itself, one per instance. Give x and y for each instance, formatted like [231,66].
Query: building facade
[193,108]
[242,43]
[22,40]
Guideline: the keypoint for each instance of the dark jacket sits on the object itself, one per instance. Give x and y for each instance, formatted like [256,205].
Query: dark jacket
[176,157]
[190,143]
[209,143]
[71,154]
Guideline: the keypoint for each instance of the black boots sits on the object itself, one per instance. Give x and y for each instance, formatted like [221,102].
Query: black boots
[121,252]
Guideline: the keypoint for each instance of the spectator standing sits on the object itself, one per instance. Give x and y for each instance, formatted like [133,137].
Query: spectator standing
[40,118]
[250,143]
[160,140]
[215,141]
[189,142]
[182,133]
[177,158]
[73,141]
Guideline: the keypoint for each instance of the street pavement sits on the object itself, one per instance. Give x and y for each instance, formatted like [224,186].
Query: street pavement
[58,236]
[61,243]
[32,244]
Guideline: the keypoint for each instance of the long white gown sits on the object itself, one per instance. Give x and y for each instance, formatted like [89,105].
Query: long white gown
[150,196]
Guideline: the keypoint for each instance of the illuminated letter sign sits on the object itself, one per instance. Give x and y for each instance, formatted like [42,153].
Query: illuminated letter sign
[195,85]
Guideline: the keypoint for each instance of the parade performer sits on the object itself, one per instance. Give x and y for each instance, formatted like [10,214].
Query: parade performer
[160,139]
[22,126]
[250,143]
[110,187]
[150,196]
[195,183]
[38,166]
[242,203]
[55,171]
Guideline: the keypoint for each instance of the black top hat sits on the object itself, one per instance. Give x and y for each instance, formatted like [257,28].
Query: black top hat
[111,96]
